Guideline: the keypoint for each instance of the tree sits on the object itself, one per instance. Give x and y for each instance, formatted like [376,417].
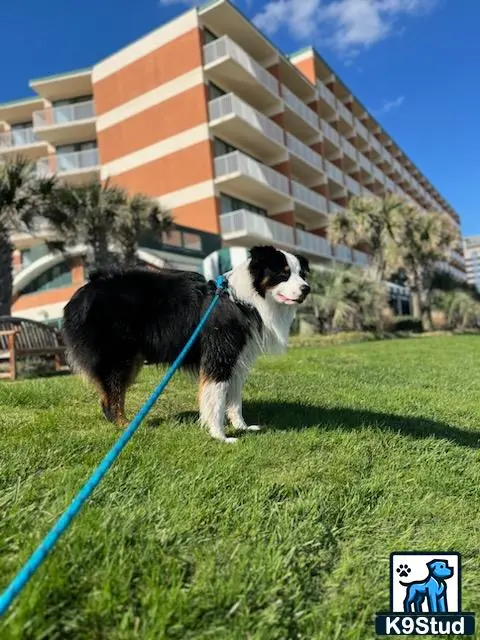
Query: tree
[24,197]
[346,298]
[422,241]
[462,310]
[104,219]
[368,222]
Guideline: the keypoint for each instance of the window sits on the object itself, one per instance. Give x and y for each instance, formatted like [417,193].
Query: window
[208,36]
[214,92]
[58,276]
[222,148]
[21,133]
[229,204]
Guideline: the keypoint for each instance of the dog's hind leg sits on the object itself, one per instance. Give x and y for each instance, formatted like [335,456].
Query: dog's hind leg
[114,385]
[212,400]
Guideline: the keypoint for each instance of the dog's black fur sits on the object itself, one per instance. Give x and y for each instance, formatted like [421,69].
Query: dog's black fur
[119,320]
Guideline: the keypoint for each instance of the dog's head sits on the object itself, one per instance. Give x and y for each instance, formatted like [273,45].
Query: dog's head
[440,569]
[279,275]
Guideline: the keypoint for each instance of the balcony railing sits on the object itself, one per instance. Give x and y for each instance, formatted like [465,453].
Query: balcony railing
[342,253]
[334,173]
[364,162]
[303,152]
[299,107]
[379,175]
[362,130]
[330,133]
[308,197]
[238,162]
[360,258]
[224,47]
[313,244]
[345,113]
[333,207]
[67,162]
[17,138]
[376,144]
[232,105]
[348,149]
[390,185]
[353,186]
[326,94]
[64,114]
[248,223]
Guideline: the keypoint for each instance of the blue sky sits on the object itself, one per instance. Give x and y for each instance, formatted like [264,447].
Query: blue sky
[414,63]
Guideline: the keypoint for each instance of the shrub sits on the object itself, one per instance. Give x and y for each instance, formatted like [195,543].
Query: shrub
[407,323]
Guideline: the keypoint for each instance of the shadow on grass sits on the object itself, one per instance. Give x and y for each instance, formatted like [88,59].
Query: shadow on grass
[294,416]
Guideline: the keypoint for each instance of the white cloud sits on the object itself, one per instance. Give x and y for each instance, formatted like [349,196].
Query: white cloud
[345,25]
[389,105]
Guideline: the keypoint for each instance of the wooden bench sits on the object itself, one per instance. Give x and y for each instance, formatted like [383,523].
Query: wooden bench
[21,337]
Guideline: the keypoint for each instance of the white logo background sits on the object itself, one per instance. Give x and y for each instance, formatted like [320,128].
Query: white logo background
[417,563]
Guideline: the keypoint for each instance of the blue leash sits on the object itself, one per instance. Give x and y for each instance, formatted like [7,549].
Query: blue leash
[61,525]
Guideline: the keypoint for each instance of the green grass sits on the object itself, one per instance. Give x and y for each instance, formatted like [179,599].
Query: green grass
[369,448]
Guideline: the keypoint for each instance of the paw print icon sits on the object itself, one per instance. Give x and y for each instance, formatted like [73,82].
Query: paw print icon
[403,570]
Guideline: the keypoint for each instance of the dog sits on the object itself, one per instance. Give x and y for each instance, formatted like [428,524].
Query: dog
[119,320]
[433,588]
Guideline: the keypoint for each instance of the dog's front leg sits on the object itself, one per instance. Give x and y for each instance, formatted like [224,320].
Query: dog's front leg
[234,402]
[212,399]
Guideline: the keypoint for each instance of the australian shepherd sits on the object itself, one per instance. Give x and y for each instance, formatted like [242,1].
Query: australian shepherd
[120,320]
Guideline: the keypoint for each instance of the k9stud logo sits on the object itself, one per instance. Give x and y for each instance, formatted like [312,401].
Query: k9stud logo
[425,597]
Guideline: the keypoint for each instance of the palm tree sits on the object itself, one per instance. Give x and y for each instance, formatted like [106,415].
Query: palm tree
[104,219]
[24,197]
[346,298]
[368,222]
[422,241]
[138,213]
[461,309]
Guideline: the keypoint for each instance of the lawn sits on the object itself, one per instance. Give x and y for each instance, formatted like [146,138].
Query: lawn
[368,448]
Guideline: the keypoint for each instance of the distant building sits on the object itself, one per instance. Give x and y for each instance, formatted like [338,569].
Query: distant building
[471,247]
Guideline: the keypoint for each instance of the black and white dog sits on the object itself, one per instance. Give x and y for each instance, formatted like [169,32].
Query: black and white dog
[119,320]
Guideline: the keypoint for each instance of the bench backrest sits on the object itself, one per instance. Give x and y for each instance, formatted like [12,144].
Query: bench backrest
[32,334]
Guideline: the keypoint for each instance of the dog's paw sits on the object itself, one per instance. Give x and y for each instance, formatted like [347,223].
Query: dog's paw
[254,427]
[229,440]
[403,570]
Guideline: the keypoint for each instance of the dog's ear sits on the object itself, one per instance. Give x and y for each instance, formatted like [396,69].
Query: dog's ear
[262,254]
[304,264]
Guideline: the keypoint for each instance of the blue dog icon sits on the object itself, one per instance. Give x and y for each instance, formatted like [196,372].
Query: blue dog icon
[433,588]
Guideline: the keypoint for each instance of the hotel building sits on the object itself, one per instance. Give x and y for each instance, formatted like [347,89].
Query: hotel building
[471,248]
[242,143]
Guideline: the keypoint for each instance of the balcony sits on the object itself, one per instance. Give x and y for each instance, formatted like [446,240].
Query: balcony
[246,178]
[334,173]
[348,149]
[312,244]
[326,98]
[308,201]
[377,146]
[306,162]
[334,208]
[353,186]
[22,142]
[233,119]
[299,118]
[250,227]
[345,113]
[342,253]
[230,66]
[330,134]
[67,124]
[76,168]
[360,258]
[378,175]
[362,131]
[365,163]
[458,258]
